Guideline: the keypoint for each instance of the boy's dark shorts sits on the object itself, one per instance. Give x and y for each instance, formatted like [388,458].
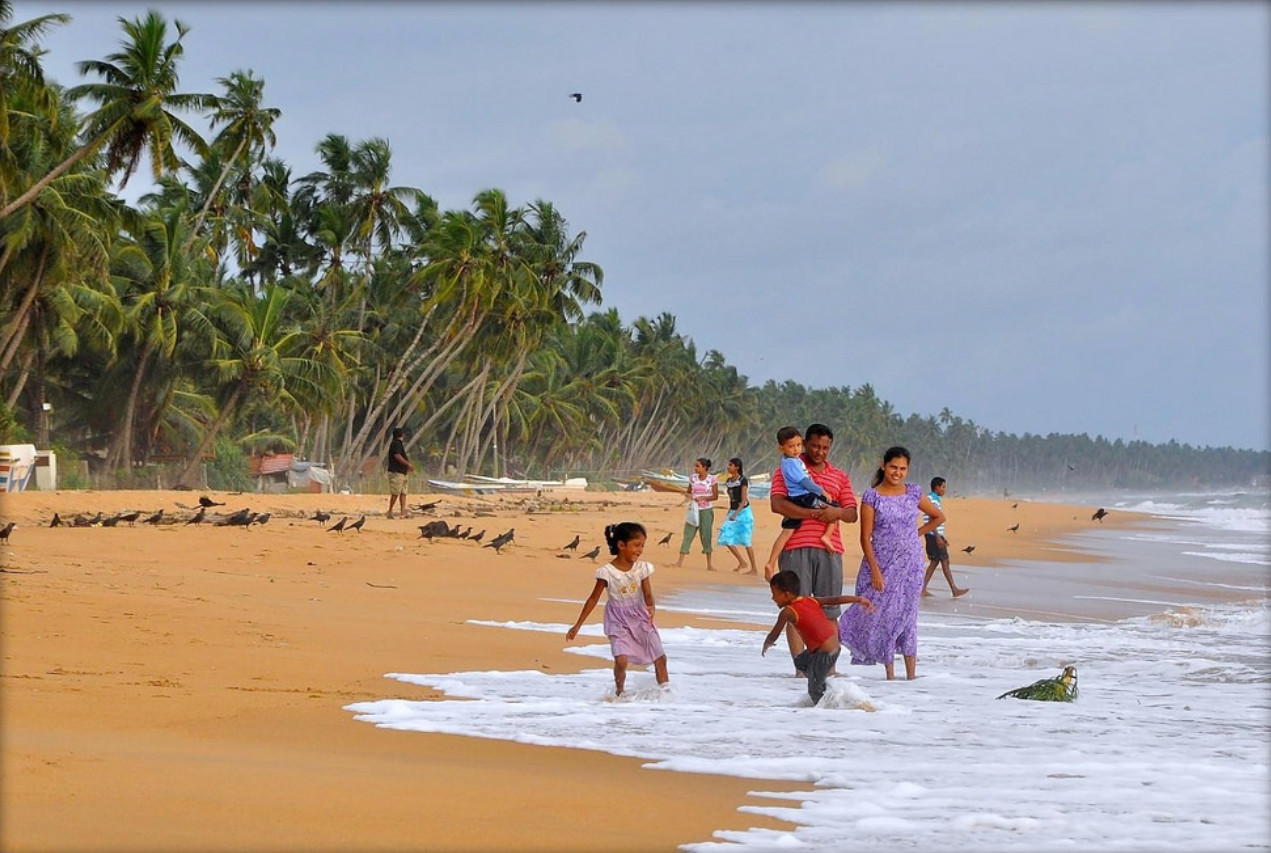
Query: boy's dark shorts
[817,666]
[935,551]
[808,501]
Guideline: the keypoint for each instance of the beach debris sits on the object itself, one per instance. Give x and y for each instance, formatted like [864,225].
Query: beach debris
[381,585]
[1099,515]
[968,549]
[593,554]
[243,518]
[1061,688]
[262,518]
[8,528]
[207,503]
[433,528]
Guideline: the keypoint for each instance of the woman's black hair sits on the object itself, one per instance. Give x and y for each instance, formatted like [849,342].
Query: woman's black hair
[892,453]
[736,460]
[706,463]
[623,531]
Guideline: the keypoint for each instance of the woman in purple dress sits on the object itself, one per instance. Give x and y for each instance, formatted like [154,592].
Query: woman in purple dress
[891,572]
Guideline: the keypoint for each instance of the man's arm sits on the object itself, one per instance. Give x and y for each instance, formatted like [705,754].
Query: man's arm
[782,505]
[846,511]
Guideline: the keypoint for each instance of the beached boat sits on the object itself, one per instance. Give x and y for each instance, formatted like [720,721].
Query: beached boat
[669,481]
[474,485]
[469,489]
[507,484]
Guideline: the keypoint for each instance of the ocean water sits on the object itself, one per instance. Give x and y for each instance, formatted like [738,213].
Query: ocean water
[1166,748]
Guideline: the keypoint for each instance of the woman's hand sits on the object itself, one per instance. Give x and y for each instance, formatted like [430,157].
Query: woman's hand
[876,579]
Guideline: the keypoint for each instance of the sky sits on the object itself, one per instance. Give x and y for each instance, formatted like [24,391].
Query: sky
[1164,748]
[1045,217]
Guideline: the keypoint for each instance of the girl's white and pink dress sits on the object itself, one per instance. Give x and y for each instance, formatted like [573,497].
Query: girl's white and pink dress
[627,623]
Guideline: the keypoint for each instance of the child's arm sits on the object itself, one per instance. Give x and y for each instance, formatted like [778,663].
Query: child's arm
[769,641]
[812,486]
[647,589]
[830,601]
[588,605]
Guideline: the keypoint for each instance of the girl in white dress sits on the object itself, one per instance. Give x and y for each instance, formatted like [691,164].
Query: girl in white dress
[633,638]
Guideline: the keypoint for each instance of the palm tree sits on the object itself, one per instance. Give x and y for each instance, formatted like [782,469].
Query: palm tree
[258,349]
[249,129]
[20,69]
[160,284]
[136,102]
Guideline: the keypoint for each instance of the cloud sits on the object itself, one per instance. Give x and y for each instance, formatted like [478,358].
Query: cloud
[853,170]
[575,135]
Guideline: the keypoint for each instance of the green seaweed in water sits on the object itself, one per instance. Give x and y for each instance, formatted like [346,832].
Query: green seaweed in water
[1061,688]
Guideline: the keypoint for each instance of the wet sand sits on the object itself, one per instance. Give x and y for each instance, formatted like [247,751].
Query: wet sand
[182,687]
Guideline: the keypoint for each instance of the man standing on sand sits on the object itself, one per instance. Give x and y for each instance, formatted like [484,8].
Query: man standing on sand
[820,569]
[938,545]
[398,467]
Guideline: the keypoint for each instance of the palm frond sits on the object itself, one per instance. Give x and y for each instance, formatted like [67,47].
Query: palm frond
[1061,688]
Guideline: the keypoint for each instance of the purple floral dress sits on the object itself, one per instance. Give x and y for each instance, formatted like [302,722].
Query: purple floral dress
[893,626]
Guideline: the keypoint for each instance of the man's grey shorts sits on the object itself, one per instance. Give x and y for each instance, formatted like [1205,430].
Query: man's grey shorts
[820,573]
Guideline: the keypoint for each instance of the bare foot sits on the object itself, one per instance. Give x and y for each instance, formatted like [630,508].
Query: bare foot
[957,593]
[752,572]
[926,594]
[739,568]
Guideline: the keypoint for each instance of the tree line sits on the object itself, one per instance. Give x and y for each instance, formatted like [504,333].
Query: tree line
[239,307]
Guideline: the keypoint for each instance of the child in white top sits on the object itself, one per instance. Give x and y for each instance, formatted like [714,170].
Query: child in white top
[633,638]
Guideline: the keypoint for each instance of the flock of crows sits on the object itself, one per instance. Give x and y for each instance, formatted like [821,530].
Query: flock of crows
[440,530]
[241,518]
[430,531]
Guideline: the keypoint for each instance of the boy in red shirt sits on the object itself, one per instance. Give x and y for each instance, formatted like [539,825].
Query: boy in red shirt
[820,635]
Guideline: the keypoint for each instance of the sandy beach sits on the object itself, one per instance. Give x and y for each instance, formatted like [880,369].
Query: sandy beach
[183,687]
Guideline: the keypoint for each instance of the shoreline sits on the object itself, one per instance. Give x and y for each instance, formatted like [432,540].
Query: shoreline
[157,679]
